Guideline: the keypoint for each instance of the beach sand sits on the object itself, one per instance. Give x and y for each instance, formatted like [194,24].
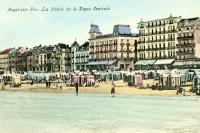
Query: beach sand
[102,88]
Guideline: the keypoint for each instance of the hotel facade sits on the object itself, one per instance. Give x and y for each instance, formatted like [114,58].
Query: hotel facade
[116,50]
[158,38]
[188,46]
[157,42]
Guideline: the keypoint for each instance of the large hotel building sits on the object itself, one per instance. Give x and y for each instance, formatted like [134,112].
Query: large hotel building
[157,42]
[188,38]
[158,38]
[116,50]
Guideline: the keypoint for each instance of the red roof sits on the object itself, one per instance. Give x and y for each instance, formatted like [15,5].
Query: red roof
[6,51]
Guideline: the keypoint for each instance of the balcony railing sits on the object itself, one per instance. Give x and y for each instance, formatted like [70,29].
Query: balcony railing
[171,39]
[140,42]
[158,32]
[185,37]
[184,52]
[185,45]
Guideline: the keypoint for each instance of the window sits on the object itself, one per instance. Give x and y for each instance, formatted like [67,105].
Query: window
[127,47]
[127,54]
[121,54]
[163,45]
[121,47]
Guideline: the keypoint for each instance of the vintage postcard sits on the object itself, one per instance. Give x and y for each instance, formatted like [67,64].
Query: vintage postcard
[99,66]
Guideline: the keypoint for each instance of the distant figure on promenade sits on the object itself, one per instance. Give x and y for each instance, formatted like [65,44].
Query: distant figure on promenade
[76,86]
[113,90]
[49,85]
[46,84]
[32,82]
[179,90]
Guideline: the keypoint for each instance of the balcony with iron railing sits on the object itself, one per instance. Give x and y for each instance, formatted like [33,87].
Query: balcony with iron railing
[156,25]
[185,45]
[185,37]
[183,52]
[171,39]
[140,50]
[157,32]
[141,42]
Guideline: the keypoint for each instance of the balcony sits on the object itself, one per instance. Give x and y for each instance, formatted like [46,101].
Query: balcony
[171,39]
[158,32]
[122,43]
[140,42]
[141,50]
[156,25]
[185,37]
[122,50]
[191,45]
[92,52]
[184,52]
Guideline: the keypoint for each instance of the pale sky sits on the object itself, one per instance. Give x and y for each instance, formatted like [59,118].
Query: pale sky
[29,28]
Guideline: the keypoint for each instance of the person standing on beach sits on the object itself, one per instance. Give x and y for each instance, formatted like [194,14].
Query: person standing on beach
[76,86]
[113,90]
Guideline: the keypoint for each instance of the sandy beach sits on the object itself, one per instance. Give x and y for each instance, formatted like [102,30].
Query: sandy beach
[102,88]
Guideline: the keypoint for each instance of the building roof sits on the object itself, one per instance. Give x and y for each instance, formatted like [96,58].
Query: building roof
[154,20]
[122,30]
[74,44]
[189,19]
[94,29]
[6,51]
[188,22]
[62,45]
[84,47]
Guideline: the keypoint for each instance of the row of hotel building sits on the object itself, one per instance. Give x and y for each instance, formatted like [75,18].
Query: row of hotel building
[161,43]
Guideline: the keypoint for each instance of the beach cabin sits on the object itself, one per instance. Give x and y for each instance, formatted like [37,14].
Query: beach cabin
[137,79]
[90,81]
[16,80]
[170,80]
[7,77]
[133,79]
[196,80]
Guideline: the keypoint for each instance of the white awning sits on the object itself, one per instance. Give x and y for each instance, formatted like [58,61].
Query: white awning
[164,61]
